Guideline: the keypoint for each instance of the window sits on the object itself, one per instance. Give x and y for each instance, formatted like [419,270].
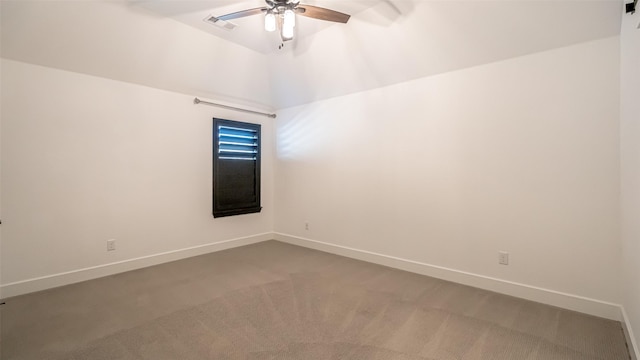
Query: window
[236,168]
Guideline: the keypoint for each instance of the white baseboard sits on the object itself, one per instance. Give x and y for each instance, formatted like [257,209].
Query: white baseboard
[546,296]
[628,333]
[74,276]
[533,293]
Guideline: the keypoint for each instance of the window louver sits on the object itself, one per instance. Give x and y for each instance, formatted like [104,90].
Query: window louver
[237,144]
[236,168]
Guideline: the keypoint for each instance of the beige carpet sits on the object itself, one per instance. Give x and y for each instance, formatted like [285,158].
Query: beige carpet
[277,301]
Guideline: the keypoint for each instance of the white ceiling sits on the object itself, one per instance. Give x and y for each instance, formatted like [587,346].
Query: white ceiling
[426,38]
[249,31]
[560,19]
[385,42]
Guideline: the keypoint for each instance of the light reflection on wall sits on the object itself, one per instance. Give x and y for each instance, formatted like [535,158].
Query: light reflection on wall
[300,133]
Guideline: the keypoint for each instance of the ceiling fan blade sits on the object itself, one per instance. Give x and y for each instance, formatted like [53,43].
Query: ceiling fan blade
[322,13]
[243,13]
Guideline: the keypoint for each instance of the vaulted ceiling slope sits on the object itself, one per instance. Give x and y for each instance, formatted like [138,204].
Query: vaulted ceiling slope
[163,44]
[120,41]
[422,38]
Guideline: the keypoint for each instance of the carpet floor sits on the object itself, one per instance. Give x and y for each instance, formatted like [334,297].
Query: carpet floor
[277,301]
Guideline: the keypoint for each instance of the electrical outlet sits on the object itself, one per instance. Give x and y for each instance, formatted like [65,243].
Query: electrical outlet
[111,245]
[306,225]
[503,258]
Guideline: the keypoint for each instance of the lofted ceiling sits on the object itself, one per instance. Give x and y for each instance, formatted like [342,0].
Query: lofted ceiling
[167,45]
[249,31]
[565,21]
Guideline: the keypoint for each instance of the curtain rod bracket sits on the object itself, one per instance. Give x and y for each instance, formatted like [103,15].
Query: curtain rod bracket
[197,101]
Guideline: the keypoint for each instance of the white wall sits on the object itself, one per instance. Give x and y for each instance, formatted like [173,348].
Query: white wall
[86,159]
[630,155]
[519,155]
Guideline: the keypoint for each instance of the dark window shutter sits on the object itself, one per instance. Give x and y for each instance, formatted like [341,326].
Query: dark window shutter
[236,168]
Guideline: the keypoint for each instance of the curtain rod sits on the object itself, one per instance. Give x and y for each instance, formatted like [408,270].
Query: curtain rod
[198,101]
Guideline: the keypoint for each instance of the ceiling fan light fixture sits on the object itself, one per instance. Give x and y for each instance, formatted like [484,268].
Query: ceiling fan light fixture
[288,23]
[287,32]
[270,21]
[281,15]
[289,18]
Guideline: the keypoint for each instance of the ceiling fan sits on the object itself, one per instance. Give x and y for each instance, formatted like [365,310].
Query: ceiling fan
[281,15]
